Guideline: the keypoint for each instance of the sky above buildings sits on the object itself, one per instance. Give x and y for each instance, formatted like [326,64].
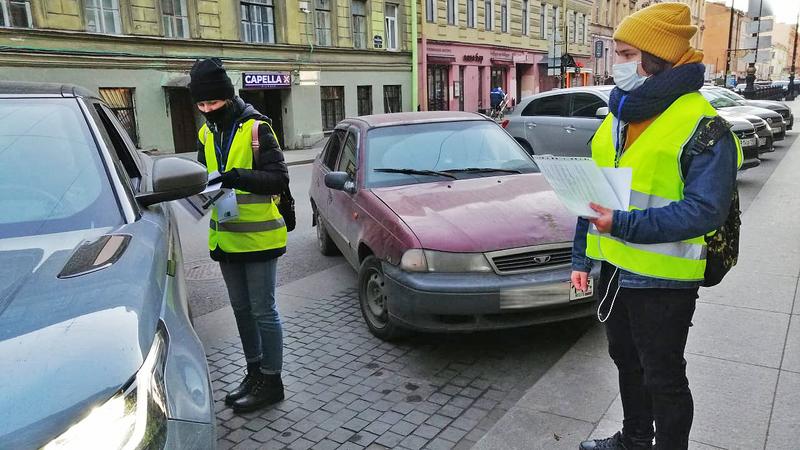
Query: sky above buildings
[784,10]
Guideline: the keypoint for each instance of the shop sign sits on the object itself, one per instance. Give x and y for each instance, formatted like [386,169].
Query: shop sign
[473,58]
[266,80]
[502,56]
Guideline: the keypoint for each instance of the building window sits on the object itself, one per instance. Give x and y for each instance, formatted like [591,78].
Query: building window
[430,10]
[571,25]
[16,13]
[557,23]
[258,21]
[526,19]
[323,22]
[120,101]
[332,106]
[392,99]
[364,100]
[452,12]
[499,76]
[438,88]
[542,20]
[472,12]
[391,26]
[585,30]
[175,18]
[488,13]
[359,10]
[579,29]
[504,16]
[102,16]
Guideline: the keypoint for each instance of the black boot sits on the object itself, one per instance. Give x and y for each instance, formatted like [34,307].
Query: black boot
[266,390]
[616,442]
[250,376]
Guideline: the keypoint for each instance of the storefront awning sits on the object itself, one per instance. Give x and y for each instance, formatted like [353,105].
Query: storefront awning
[441,59]
[177,82]
[496,61]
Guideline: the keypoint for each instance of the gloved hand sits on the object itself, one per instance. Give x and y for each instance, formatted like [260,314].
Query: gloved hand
[230,179]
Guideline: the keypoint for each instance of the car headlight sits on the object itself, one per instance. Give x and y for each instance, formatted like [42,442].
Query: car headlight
[769,120]
[419,260]
[134,418]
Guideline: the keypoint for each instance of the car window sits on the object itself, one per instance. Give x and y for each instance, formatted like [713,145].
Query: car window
[441,147]
[123,145]
[552,105]
[52,178]
[347,163]
[332,149]
[585,105]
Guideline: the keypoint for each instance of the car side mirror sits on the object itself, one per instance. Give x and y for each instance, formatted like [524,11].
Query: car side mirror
[174,178]
[340,181]
[601,112]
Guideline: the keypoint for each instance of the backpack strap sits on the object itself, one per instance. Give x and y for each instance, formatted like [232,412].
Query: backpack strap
[708,133]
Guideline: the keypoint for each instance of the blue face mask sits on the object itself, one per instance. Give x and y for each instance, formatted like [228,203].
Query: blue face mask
[626,76]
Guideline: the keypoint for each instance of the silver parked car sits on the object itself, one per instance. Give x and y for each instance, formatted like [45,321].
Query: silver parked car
[97,347]
[559,122]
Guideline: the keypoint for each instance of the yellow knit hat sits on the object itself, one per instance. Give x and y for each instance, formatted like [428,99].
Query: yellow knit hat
[662,29]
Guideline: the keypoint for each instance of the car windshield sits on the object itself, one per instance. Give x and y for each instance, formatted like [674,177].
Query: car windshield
[428,152]
[717,100]
[734,97]
[51,176]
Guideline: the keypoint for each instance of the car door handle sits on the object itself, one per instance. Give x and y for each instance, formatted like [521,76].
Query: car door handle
[530,125]
[570,128]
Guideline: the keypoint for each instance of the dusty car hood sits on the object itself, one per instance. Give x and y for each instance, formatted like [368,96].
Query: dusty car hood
[481,214]
[768,104]
[66,344]
[760,112]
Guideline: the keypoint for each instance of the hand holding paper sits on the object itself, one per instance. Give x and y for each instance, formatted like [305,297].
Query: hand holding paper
[604,222]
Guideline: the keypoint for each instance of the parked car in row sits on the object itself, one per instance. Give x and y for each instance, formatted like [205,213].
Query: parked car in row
[721,100]
[448,222]
[97,347]
[562,122]
[779,107]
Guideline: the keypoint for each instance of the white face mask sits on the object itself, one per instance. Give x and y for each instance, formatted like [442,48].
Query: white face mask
[626,76]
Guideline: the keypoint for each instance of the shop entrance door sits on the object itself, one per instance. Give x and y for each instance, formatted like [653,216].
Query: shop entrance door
[269,103]
[181,112]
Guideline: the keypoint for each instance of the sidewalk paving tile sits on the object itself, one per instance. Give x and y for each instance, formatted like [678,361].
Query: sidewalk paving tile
[738,334]
[785,415]
[764,291]
[593,343]
[524,429]
[577,386]
[791,355]
[732,402]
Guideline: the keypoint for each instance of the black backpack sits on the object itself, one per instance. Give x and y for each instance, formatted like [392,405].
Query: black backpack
[285,201]
[722,247]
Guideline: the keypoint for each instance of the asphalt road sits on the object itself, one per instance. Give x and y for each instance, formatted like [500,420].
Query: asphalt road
[206,287]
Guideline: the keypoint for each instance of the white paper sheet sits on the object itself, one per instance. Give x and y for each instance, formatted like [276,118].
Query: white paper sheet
[579,181]
[213,183]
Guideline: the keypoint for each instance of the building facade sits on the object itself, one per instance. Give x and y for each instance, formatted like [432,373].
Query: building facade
[305,64]
[469,47]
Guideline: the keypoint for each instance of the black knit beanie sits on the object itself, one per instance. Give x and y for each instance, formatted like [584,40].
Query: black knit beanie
[209,81]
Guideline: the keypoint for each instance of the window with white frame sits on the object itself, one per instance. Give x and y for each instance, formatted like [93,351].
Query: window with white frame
[585,30]
[258,21]
[452,12]
[557,23]
[322,22]
[504,16]
[488,15]
[175,18]
[579,29]
[102,16]
[542,20]
[430,10]
[571,26]
[16,13]
[390,21]
[359,10]
[526,19]
[472,12]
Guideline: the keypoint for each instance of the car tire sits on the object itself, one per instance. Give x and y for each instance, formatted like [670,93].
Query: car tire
[374,301]
[326,245]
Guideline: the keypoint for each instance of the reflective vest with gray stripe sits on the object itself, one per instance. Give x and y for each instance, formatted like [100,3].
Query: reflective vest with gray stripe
[655,160]
[259,226]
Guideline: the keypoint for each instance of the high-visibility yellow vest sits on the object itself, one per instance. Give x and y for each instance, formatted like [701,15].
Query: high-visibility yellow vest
[655,160]
[259,226]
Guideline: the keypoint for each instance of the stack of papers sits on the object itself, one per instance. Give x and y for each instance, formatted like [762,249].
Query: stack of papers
[579,181]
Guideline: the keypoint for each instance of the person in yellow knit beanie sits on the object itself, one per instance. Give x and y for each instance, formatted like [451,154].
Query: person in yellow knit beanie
[683,160]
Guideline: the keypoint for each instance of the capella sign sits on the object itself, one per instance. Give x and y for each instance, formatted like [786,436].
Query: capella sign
[266,80]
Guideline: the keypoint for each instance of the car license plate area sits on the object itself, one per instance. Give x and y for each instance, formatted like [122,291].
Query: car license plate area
[575,294]
[762,141]
[749,142]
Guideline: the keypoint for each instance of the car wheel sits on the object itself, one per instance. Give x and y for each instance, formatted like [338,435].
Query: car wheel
[374,300]
[326,245]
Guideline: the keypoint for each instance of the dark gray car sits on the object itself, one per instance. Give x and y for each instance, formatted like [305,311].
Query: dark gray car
[95,338]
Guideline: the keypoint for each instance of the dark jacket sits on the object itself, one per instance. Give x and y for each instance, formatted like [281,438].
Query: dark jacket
[269,175]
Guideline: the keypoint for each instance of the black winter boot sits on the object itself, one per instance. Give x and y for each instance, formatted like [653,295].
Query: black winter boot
[266,390]
[615,442]
[250,376]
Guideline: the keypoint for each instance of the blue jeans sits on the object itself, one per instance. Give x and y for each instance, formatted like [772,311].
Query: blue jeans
[251,289]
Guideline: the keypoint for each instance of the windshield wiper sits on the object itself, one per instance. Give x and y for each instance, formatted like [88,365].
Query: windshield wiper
[416,172]
[482,170]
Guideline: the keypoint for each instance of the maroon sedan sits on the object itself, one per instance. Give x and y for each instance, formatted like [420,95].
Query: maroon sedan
[448,223]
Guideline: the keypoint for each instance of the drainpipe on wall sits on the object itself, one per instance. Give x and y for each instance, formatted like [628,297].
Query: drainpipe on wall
[414,57]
